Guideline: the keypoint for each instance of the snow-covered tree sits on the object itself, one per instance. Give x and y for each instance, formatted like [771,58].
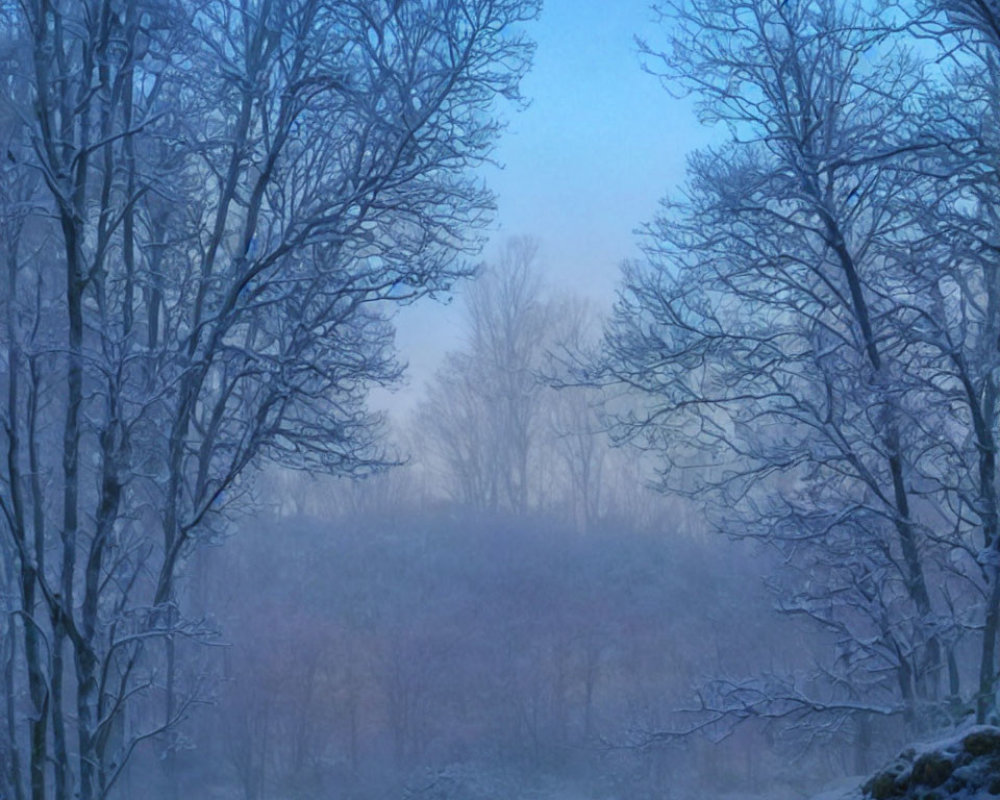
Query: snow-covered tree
[809,340]
[207,210]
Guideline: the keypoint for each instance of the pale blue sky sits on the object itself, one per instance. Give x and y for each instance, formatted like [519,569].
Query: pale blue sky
[585,164]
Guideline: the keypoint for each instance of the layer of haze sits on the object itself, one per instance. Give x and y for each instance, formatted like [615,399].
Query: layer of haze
[583,166]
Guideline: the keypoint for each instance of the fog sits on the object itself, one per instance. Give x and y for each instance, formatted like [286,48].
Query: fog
[478,399]
[390,645]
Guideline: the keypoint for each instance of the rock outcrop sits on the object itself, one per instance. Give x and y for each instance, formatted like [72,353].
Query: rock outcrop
[963,767]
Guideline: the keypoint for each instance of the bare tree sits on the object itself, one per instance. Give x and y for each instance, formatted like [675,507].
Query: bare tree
[498,434]
[483,410]
[770,339]
[575,433]
[953,264]
[218,200]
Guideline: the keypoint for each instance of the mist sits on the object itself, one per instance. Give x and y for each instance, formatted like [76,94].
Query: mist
[477,399]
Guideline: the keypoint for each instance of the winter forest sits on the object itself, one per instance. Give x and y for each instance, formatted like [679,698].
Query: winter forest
[732,532]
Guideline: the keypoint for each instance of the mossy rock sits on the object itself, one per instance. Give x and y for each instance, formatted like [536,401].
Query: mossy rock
[959,780]
[982,742]
[884,785]
[932,769]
